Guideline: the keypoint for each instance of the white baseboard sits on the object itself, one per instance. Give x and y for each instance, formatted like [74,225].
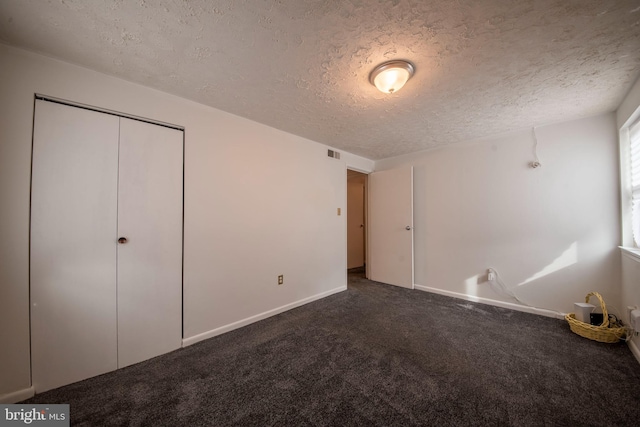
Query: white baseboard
[244,322]
[510,305]
[634,349]
[17,396]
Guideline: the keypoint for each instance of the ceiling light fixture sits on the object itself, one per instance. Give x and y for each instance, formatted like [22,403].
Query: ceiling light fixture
[389,77]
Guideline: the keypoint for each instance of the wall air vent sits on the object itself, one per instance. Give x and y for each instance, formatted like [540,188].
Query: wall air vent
[334,154]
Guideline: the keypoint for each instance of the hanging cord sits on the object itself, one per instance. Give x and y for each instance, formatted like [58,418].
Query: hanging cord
[501,288]
[618,323]
[535,164]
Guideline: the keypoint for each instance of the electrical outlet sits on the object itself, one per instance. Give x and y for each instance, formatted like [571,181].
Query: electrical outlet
[281,279]
[491,275]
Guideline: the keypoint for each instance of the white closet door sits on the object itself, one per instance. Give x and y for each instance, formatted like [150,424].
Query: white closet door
[150,262]
[73,249]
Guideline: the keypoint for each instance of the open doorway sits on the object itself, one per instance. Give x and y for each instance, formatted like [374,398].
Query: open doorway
[356,222]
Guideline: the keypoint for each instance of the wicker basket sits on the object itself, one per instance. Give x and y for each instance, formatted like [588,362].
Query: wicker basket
[603,333]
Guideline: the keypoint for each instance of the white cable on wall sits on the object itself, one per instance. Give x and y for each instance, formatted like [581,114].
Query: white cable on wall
[535,164]
[498,285]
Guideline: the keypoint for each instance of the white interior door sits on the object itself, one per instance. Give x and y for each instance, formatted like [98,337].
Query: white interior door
[355,223]
[150,262]
[73,250]
[391,227]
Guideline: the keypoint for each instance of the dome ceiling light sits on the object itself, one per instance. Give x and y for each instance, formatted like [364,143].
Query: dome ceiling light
[389,77]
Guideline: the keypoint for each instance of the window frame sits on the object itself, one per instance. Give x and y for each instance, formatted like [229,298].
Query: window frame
[634,181]
[628,240]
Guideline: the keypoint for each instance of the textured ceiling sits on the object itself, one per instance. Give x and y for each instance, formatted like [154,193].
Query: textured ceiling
[483,67]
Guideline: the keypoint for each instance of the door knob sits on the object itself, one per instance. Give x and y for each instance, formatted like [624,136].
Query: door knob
[122,240]
[408,228]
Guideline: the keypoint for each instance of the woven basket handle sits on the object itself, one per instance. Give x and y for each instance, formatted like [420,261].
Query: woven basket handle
[605,314]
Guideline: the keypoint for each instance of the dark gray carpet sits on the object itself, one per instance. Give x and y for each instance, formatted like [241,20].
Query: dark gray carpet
[375,355]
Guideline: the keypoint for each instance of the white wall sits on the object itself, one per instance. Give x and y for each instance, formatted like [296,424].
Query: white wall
[258,203]
[627,113]
[552,232]
[631,292]
[629,108]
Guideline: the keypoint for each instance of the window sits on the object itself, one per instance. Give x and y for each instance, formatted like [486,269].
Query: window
[634,169]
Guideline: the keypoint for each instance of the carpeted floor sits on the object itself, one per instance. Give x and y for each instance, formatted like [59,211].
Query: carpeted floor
[375,355]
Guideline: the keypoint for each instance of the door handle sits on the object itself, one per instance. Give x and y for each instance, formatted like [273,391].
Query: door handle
[408,228]
[122,240]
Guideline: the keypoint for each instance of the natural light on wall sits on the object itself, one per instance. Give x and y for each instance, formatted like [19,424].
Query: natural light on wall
[471,285]
[567,258]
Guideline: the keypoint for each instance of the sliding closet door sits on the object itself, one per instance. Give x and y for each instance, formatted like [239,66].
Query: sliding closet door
[73,250]
[150,261]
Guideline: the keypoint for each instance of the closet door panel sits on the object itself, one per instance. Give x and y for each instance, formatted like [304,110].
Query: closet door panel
[150,262]
[73,244]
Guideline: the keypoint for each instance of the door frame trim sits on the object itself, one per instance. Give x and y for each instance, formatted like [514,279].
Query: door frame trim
[106,111]
[365,202]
